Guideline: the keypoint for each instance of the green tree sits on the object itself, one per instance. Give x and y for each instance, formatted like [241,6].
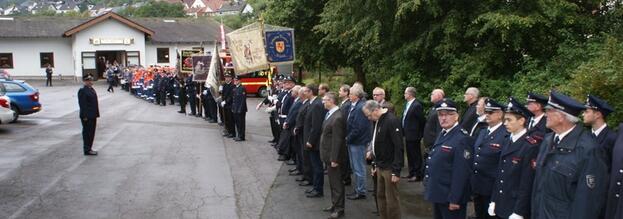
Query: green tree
[156,9]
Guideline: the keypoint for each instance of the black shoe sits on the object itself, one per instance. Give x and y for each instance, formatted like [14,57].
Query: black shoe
[357,197]
[314,194]
[329,209]
[336,214]
[295,173]
[230,136]
[181,111]
[293,169]
[300,179]
[282,158]
[305,183]
[90,153]
[272,141]
[238,139]
[290,162]
[309,191]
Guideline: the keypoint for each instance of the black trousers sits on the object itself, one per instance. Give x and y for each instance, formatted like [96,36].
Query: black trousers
[182,102]
[274,127]
[298,145]
[239,120]
[88,133]
[172,96]
[414,158]
[283,146]
[48,81]
[307,166]
[317,170]
[336,184]
[441,211]
[209,108]
[162,97]
[229,121]
[192,100]
[481,206]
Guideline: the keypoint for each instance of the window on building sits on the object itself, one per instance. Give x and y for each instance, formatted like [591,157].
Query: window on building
[46,58]
[163,55]
[6,60]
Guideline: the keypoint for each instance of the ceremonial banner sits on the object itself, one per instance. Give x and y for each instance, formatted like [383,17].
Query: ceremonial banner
[280,46]
[212,82]
[186,60]
[247,49]
[201,65]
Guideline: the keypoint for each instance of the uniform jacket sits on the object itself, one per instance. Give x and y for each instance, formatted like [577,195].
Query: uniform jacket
[448,168]
[190,86]
[294,111]
[228,94]
[470,117]
[614,208]
[239,100]
[605,140]
[332,144]
[487,150]
[513,185]
[286,103]
[359,130]
[87,100]
[414,121]
[388,144]
[570,179]
[431,128]
[345,108]
[313,123]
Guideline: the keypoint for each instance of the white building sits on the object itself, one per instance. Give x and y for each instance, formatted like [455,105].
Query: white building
[75,47]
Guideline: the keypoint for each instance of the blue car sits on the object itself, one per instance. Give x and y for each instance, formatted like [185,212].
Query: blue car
[24,98]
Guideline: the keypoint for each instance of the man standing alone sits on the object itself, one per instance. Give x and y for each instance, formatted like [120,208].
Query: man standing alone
[89,112]
[48,75]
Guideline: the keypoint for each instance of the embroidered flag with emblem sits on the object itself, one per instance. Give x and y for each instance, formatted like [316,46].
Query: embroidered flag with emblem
[591,181]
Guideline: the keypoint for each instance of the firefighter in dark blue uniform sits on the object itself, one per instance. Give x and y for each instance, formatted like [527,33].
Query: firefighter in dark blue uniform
[209,104]
[597,110]
[191,92]
[614,208]
[487,149]
[513,186]
[536,124]
[285,104]
[448,165]
[571,175]
[239,108]
[226,104]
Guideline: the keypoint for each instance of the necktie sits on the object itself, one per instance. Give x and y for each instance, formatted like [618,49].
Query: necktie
[487,132]
[531,123]
[444,132]
[556,141]
[327,116]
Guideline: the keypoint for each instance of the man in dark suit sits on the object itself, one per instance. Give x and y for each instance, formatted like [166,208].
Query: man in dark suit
[536,124]
[89,112]
[447,174]
[432,128]
[182,93]
[487,149]
[239,108]
[345,108]
[303,163]
[226,103]
[595,116]
[469,116]
[481,121]
[333,152]
[571,175]
[191,92]
[313,130]
[413,127]
[614,204]
[290,150]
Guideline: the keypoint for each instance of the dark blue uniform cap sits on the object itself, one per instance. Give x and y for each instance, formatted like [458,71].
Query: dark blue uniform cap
[514,106]
[289,78]
[446,104]
[87,77]
[491,105]
[593,102]
[532,97]
[236,77]
[228,75]
[564,103]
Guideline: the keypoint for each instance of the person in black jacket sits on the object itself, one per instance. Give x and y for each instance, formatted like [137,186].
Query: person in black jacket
[388,157]
[89,112]
[303,163]
[413,126]
[536,124]
[182,93]
[595,116]
[614,204]
[513,185]
[468,119]
[291,151]
[313,130]
[48,75]
[226,103]
[285,103]
[239,108]
[432,127]
[191,92]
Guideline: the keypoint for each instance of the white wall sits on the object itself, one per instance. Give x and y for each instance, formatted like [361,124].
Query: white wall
[26,57]
[106,29]
[152,57]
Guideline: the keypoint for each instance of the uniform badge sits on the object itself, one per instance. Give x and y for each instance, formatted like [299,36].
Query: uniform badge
[516,160]
[591,181]
[533,164]
[445,148]
[495,146]
[397,130]
[531,140]
[467,155]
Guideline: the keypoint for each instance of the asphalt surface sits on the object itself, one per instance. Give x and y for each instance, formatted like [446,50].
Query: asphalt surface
[153,163]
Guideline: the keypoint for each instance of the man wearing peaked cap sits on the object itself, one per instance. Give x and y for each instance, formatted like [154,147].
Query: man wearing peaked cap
[448,165]
[571,174]
[536,124]
[595,116]
[614,208]
[487,149]
[89,112]
[513,185]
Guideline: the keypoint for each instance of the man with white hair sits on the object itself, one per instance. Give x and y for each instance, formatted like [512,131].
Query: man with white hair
[469,117]
[571,175]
